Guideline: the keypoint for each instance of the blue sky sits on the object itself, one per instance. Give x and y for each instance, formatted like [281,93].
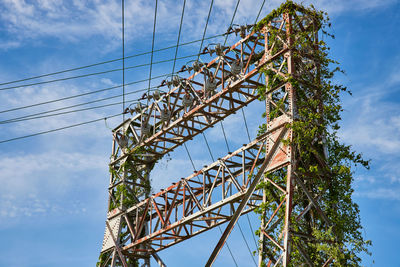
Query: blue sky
[53,186]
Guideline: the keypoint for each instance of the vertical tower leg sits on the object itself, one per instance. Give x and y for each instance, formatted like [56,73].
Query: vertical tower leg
[292,110]
[288,211]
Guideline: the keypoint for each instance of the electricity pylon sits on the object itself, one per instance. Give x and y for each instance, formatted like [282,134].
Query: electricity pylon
[139,225]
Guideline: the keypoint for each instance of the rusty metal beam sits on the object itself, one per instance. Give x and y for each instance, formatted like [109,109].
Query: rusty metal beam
[246,198]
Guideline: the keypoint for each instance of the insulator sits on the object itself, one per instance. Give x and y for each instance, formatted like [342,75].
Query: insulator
[156,95]
[219,50]
[196,66]
[175,80]
[236,68]
[210,85]
[243,31]
[187,101]
[165,114]
[145,129]
[138,108]
[122,141]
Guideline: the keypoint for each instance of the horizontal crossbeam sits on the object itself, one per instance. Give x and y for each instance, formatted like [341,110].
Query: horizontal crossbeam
[205,199]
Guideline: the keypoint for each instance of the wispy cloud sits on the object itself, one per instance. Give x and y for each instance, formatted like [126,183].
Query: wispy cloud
[374,121]
[336,7]
[381,193]
[79,20]
[15,207]
[372,126]
[51,182]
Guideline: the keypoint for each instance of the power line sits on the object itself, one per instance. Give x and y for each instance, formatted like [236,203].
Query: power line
[229,249]
[208,147]
[58,129]
[252,231]
[63,113]
[123,59]
[227,145]
[226,141]
[245,124]
[152,44]
[88,93]
[205,28]
[73,106]
[92,74]
[175,57]
[190,157]
[233,17]
[79,95]
[247,245]
[259,12]
[106,62]
[201,46]
[179,36]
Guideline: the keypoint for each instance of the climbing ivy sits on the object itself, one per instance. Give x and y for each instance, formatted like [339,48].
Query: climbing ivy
[125,195]
[324,164]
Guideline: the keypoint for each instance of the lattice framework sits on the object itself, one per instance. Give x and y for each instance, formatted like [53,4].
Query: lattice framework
[139,225]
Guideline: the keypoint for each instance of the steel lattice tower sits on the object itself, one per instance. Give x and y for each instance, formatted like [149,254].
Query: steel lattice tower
[139,225]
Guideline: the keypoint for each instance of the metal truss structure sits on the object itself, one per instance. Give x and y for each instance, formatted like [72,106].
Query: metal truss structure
[139,225]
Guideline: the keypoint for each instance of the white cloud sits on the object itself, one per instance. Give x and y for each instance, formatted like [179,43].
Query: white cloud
[372,126]
[372,121]
[7,44]
[336,7]
[107,81]
[79,20]
[56,170]
[380,193]
[365,179]
[15,207]
[48,182]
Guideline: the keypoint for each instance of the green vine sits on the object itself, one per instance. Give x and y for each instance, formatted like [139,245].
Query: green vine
[324,163]
[125,195]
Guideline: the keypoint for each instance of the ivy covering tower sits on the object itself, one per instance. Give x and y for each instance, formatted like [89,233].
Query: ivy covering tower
[324,228]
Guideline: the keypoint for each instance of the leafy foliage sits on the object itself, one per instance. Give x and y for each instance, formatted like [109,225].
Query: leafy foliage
[323,162]
[125,195]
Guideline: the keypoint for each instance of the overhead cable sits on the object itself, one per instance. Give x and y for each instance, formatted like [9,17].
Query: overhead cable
[259,12]
[71,106]
[105,62]
[179,36]
[92,74]
[58,129]
[233,18]
[205,29]
[152,44]
[123,59]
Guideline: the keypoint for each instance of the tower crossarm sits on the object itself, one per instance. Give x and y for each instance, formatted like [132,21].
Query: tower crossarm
[205,199]
[217,90]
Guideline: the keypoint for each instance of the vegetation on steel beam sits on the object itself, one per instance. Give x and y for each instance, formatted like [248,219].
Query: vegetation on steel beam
[125,195]
[323,163]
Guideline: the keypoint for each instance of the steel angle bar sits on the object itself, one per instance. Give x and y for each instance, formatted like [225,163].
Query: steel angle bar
[245,199]
[174,96]
[189,193]
[116,245]
[274,213]
[273,240]
[312,200]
